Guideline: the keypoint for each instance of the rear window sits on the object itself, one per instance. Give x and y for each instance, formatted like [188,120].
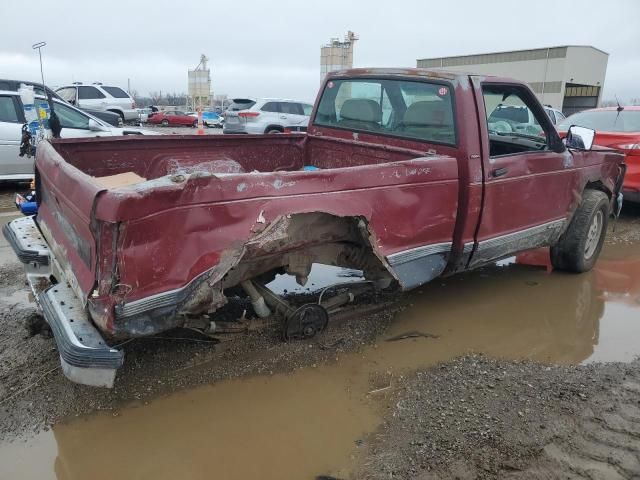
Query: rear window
[514,114]
[241,104]
[604,120]
[116,92]
[400,108]
[273,107]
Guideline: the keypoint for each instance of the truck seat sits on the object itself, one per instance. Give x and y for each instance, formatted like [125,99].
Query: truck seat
[429,120]
[360,113]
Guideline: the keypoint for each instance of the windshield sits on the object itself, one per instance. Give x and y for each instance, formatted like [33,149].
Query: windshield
[401,108]
[604,120]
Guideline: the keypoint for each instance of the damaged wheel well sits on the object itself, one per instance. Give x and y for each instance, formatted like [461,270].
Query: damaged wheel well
[292,244]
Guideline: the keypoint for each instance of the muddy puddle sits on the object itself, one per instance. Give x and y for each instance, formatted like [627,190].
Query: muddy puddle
[312,422]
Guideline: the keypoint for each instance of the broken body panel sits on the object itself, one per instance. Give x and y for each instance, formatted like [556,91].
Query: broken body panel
[213,212]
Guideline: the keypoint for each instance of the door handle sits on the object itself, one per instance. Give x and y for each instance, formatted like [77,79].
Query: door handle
[283,117]
[499,172]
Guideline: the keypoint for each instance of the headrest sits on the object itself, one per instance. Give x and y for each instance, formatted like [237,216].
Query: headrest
[427,113]
[361,109]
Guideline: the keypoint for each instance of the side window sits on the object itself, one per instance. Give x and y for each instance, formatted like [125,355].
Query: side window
[68,94]
[291,107]
[273,107]
[512,125]
[307,109]
[70,118]
[89,93]
[559,116]
[8,111]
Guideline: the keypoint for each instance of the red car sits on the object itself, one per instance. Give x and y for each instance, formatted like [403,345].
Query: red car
[619,128]
[172,117]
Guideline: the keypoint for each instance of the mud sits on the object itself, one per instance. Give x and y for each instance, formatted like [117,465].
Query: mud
[272,410]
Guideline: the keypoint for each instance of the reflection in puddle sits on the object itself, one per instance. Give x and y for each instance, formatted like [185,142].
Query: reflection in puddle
[307,423]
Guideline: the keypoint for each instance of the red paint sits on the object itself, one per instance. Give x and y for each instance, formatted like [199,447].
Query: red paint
[622,141]
[170,118]
[178,225]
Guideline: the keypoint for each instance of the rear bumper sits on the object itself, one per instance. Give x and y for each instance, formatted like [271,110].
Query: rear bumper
[130,115]
[84,355]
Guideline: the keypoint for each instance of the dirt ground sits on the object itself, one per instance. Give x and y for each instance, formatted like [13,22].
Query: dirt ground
[482,418]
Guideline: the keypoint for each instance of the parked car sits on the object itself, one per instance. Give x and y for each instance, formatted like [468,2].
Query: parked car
[75,123]
[109,117]
[209,119]
[100,97]
[398,177]
[619,128]
[267,115]
[555,115]
[143,114]
[172,117]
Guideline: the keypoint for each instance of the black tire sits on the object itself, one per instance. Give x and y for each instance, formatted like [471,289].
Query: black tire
[273,130]
[119,113]
[194,124]
[165,123]
[579,246]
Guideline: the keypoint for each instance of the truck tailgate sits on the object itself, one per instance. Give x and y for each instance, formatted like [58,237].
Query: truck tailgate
[64,217]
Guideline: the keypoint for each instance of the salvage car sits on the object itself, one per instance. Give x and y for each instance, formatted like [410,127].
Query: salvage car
[172,117]
[100,97]
[619,128]
[267,115]
[106,116]
[399,176]
[74,122]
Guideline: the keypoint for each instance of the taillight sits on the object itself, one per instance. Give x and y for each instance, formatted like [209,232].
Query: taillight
[248,114]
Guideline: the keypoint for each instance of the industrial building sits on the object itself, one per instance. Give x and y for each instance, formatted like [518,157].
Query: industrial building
[200,94]
[569,78]
[337,55]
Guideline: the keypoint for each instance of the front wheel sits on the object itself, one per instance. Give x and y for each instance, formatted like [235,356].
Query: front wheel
[579,246]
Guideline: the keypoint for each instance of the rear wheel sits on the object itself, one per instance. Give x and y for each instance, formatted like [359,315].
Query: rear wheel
[194,124]
[271,130]
[165,122]
[580,245]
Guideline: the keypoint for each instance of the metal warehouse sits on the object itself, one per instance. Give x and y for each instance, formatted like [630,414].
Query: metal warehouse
[569,78]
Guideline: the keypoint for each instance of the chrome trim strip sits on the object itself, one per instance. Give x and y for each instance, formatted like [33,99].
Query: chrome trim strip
[159,300]
[413,254]
[504,245]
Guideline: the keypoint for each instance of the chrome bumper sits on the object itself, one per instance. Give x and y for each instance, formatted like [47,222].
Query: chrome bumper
[85,356]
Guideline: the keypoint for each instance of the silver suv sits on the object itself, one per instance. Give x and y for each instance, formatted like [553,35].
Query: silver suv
[267,115]
[100,97]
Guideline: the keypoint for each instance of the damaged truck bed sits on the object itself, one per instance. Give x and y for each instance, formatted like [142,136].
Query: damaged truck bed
[400,176]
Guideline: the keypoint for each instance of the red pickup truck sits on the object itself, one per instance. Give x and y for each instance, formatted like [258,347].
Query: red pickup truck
[405,174]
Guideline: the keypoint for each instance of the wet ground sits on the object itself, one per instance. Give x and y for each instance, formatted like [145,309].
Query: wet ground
[268,410]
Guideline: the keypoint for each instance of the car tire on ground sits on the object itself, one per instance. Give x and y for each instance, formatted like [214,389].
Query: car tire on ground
[165,123]
[271,130]
[194,124]
[579,246]
[119,113]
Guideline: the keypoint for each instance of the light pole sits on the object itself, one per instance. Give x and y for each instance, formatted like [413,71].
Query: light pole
[38,46]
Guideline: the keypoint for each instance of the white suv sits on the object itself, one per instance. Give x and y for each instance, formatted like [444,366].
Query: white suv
[267,115]
[100,97]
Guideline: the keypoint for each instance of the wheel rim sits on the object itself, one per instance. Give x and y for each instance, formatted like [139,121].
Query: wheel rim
[593,235]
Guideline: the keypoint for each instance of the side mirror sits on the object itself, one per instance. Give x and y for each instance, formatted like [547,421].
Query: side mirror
[95,126]
[580,138]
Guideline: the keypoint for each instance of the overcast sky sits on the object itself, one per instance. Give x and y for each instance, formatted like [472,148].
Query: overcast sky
[259,48]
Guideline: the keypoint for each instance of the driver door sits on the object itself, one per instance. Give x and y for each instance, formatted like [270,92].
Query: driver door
[529,189]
